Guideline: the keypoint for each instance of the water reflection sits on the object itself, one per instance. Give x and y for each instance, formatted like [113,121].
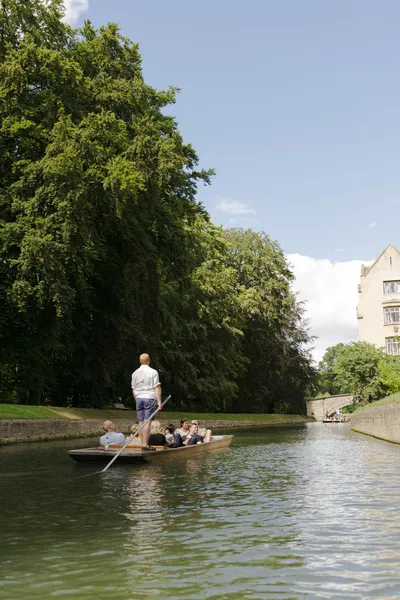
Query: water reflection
[300,512]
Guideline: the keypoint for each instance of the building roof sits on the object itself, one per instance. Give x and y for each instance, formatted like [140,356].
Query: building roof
[366,270]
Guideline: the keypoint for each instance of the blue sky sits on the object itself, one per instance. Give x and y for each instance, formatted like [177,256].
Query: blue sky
[296,106]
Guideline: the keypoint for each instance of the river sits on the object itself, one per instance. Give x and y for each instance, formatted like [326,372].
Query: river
[308,511]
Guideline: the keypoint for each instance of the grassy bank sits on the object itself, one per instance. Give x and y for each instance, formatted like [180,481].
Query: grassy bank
[387,400]
[17,411]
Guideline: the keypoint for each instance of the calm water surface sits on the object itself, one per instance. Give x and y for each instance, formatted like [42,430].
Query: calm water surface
[309,511]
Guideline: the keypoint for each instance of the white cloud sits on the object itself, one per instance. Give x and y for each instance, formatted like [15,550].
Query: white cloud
[235,208]
[331,295]
[74,9]
[373,224]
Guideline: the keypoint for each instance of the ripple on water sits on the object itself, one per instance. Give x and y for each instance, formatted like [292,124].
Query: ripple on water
[302,512]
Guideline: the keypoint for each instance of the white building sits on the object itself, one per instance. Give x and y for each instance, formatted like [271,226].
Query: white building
[378,311]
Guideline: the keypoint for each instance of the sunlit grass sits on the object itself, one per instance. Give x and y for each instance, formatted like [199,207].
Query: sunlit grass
[18,411]
[387,400]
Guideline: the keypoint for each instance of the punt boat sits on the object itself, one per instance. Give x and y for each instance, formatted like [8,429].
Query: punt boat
[134,454]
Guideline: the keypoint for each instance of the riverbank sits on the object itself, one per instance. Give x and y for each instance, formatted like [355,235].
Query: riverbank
[61,423]
[379,419]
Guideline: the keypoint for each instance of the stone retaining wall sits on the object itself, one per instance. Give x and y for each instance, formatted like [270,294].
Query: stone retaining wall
[382,422]
[34,430]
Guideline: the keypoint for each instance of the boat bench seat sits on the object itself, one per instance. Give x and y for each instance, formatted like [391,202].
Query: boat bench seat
[113,447]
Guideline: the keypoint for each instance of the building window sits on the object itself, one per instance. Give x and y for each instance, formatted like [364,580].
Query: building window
[393,345]
[391,287]
[391,315]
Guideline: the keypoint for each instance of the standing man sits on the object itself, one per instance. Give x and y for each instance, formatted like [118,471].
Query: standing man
[146,390]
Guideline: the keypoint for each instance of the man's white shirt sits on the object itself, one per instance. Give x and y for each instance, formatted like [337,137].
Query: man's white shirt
[144,382]
[114,439]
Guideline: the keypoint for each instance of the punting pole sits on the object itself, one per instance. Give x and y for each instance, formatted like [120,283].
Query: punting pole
[114,458]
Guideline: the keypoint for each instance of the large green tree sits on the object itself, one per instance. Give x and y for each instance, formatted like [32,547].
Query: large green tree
[327,372]
[97,190]
[360,368]
[357,370]
[105,251]
[275,334]
[204,352]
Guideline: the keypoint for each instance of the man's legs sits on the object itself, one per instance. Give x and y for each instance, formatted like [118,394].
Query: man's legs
[145,408]
[145,434]
[195,439]
[141,432]
[141,418]
[178,440]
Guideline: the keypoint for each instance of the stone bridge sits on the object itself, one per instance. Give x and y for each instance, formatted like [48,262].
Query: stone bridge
[318,407]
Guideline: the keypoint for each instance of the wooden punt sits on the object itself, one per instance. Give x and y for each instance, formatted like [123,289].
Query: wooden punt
[137,455]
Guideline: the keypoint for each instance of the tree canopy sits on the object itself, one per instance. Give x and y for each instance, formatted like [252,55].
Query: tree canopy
[105,251]
[361,369]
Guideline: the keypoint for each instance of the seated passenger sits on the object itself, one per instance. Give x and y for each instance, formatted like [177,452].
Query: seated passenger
[111,436]
[136,441]
[157,436]
[193,437]
[181,434]
[169,434]
[206,433]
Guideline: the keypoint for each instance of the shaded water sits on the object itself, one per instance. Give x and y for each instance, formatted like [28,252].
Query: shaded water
[309,511]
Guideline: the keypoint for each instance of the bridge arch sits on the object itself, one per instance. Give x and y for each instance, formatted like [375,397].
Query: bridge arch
[318,407]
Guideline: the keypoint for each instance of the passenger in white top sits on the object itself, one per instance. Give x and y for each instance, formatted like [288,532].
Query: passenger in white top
[113,438]
[146,390]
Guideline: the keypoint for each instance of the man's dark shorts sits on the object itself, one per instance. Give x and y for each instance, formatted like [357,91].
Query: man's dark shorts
[145,408]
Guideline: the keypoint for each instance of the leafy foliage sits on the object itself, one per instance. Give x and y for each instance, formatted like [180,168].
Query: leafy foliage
[275,335]
[105,251]
[361,369]
[327,373]
[389,374]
